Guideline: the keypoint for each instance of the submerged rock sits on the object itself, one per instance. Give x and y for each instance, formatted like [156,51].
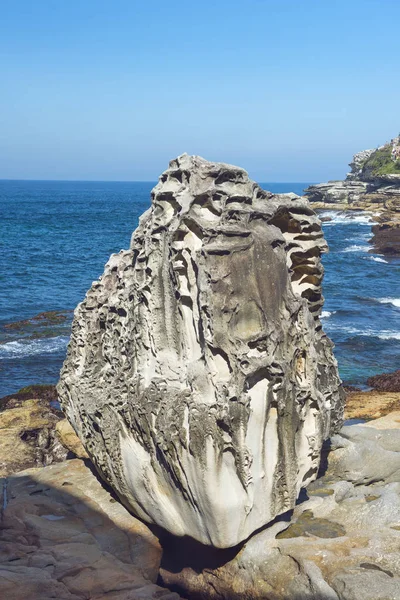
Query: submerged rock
[198,376]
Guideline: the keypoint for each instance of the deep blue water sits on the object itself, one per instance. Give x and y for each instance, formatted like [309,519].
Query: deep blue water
[56,237]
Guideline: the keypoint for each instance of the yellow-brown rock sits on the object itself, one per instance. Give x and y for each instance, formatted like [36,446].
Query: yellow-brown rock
[371,405]
[69,439]
[27,436]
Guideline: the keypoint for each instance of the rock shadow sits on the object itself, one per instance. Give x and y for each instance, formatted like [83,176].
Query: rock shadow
[64,535]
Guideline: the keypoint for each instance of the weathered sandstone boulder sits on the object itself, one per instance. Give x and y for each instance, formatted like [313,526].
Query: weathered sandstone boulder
[386,234]
[341,194]
[69,439]
[198,376]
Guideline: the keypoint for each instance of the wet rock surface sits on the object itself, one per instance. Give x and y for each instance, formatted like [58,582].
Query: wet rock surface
[64,536]
[43,325]
[341,542]
[386,382]
[44,392]
[198,376]
[386,236]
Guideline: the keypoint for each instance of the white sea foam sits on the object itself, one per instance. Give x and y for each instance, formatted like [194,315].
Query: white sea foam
[378,259]
[24,348]
[359,236]
[346,218]
[384,334]
[326,314]
[394,301]
[389,335]
[356,248]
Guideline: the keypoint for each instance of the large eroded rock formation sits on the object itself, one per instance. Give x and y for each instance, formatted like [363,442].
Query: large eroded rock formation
[198,376]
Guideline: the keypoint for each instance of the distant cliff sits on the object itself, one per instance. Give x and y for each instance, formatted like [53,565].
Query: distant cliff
[373,184]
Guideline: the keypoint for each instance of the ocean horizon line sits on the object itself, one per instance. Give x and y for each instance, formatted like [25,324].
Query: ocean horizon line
[125,181]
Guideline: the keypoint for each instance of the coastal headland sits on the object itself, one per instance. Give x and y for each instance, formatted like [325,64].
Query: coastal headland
[64,534]
[373,185]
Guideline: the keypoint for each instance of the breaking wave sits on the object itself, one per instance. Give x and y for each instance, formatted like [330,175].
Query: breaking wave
[356,248]
[346,218]
[326,314]
[394,301]
[384,334]
[378,259]
[25,348]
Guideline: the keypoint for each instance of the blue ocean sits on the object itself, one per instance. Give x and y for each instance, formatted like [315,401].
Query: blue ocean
[56,237]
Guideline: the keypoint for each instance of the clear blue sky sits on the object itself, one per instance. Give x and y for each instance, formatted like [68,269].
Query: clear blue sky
[288,89]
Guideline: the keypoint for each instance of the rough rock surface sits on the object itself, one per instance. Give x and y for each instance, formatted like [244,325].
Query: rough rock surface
[357,163]
[198,376]
[64,536]
[360,189]
[46,393]
[340,543]
[33,431]
[28,436]
[386,382]
[341,193]
[69,439]
[386,234]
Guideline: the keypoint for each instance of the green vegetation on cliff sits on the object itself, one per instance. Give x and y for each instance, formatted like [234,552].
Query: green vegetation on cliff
[380,163]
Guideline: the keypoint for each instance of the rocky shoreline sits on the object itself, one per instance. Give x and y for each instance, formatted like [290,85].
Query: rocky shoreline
[365,190]
[217,462]
[65,535]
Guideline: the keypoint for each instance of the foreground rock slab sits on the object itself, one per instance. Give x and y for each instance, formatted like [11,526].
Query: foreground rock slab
[64,536]
[342,542]
[198,376]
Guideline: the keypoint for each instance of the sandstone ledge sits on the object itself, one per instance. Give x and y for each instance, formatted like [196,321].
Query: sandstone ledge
[371,405]
[64,536]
